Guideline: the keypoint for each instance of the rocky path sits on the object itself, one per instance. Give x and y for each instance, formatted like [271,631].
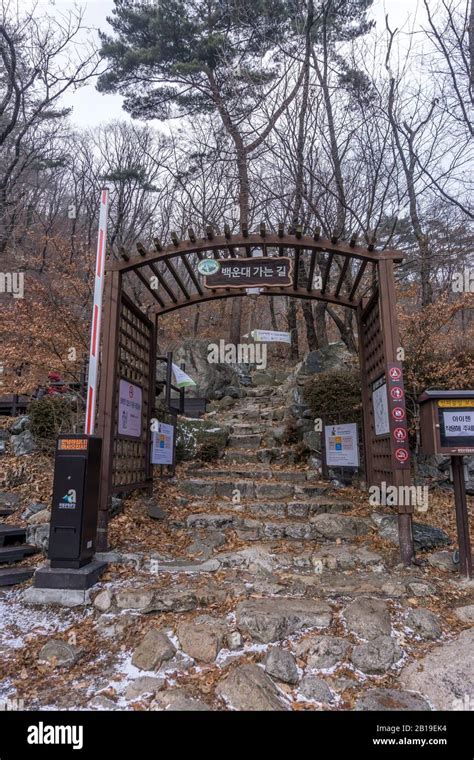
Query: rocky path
[273,591]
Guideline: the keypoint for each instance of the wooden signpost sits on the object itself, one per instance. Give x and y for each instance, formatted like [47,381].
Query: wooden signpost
[447,427]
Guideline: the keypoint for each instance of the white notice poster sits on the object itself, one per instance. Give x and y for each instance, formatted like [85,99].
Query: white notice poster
[342,447]
[162,444]
[458,424]
[270,336]
[130,409]
[380,406]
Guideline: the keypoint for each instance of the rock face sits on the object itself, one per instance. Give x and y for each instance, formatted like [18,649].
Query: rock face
[209,377]
[376,656]
[248,688]
[154,650]
[390,699]
[280,664]
[202,638]
[444,676]
[274,619]
[424,623]
[368,618]
[59,653]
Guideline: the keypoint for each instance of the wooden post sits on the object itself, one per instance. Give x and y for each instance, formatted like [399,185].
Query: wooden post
[391,342]
[107,399]
[366,426]
[462,520]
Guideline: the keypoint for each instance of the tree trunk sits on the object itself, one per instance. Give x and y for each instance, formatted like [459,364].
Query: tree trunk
[320,324]
[292,328]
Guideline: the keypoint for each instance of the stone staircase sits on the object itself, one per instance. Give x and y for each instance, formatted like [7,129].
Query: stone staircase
[13,548]
[253,493]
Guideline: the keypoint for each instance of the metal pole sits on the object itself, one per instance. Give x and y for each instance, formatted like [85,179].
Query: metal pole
[169,370]
[462,521]
[94,351]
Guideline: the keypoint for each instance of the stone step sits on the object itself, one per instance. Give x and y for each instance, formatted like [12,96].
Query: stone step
[317,560]
[260,392]
[292,509]
[249,428]
[292,476]
[14,575]
[321,528]
[251,441]
[6,511]
[262,455]
[15,553]
[12,534]
[251,489]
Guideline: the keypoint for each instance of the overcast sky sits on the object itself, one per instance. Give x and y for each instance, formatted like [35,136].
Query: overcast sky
[90,108]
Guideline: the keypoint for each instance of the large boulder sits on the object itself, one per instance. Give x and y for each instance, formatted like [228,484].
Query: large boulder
[209,377]
[425,537]
[23,444]
[445,675]
[191,433]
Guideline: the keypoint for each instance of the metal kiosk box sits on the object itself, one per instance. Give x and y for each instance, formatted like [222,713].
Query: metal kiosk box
[75,501]
[447,422]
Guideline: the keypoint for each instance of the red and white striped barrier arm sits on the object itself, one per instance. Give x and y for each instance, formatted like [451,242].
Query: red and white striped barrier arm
[97,315]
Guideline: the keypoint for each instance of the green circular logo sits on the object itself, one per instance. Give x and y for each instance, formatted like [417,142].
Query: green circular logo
[208,266]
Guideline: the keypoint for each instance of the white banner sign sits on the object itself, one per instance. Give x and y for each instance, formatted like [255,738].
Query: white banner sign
[458,424]
[181,379]
[130,409]
[162,444]
[342,447]
[270,336]
[380,406]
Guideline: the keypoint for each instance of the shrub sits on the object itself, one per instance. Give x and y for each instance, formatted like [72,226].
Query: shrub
[208,452]
[49,417]
[291,433]
[335,396]
[301,452]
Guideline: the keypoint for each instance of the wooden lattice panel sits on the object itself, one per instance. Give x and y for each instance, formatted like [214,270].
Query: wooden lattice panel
[131,467]
[374,361]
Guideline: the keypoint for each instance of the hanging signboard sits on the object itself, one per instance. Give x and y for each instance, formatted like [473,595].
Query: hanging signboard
[129,410]
[162,444]
[251,272]
[270,336]
[342,448]
[380,407]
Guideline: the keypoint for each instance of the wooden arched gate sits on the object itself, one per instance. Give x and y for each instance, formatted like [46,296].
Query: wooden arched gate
[350,275]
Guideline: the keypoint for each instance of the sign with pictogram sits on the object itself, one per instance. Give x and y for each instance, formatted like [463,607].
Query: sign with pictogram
[397,413]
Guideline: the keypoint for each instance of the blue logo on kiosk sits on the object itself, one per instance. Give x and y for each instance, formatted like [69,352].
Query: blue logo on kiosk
[68,501]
